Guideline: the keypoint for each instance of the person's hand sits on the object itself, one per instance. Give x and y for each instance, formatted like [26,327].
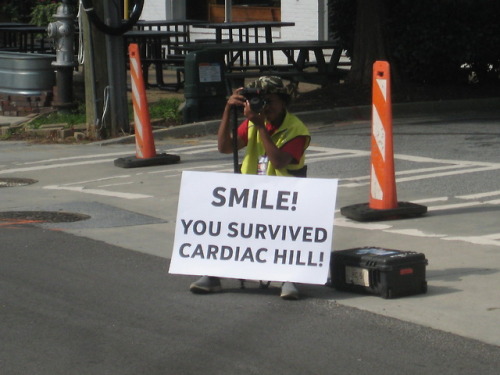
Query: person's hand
[236,99]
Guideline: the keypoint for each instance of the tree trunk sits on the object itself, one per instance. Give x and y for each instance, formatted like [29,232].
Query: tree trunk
[369,40]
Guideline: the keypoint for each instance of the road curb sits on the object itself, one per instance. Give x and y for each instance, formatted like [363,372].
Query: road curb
[325,117]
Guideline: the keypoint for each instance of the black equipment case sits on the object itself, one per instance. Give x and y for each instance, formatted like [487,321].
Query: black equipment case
[385,272]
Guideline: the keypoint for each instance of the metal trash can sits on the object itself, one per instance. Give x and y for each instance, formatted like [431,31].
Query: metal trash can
[204,85]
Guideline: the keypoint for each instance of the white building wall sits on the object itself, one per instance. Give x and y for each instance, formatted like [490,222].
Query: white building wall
[154,10]
[309,17]
[305,15]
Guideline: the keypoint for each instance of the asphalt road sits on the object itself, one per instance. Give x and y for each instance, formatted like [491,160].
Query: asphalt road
[95,296]
[72,305]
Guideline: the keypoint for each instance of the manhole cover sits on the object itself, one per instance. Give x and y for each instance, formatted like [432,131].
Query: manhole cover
[42,216]
[11,182]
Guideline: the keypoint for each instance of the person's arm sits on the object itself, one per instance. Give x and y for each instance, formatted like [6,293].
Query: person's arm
[224,135]
[278,158]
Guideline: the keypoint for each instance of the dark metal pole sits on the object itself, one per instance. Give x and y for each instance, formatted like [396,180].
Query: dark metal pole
[117,75]
[234,123]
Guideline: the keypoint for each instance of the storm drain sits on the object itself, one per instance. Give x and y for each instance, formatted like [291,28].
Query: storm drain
[11,182]
[42,216]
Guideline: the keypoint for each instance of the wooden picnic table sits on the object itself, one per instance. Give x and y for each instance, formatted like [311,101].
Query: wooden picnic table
[243,30]
[155,40]
[298,64]
[14,24]
[169,25]
[23,38]
[183,26]
[296,52]
[155,47]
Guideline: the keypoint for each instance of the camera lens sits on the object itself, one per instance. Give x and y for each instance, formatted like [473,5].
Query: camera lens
[257,103]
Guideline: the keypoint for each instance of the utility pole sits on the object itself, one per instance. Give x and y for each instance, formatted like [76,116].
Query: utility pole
[105,74]
[95,74]
[117,73]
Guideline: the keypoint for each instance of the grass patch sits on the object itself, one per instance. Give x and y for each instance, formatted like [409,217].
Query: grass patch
[74,117]
[167,109]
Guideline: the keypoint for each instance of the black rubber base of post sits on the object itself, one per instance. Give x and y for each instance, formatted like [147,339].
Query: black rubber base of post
[363,212]
[134,162]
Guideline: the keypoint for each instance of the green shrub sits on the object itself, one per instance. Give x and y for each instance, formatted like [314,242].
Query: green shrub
[434,41]
[16,11]
[43,11]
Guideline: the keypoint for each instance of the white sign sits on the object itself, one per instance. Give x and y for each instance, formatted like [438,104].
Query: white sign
[254,227]
[209,72]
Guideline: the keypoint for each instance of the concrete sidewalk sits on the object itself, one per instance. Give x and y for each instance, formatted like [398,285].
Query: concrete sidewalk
[329,116]
[441,307]
[317,117]
[12,120]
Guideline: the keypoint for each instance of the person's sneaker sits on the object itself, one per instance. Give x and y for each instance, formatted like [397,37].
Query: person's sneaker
[206,284]
[289,291]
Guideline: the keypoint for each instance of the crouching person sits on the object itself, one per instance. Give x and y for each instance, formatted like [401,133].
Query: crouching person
[275,142]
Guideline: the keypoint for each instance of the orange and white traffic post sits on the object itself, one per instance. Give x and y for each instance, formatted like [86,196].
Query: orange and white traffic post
[383,202]
[382,182]
[144,140]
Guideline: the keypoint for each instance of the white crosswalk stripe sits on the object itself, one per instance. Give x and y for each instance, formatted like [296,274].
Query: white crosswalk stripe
[110,185]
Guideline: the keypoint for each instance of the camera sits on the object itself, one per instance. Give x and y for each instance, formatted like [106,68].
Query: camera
[255,97]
